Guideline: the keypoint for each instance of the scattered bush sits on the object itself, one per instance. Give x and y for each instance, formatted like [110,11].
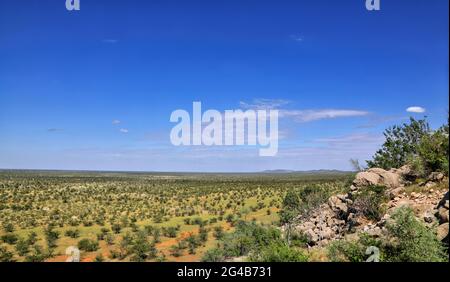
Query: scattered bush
[9,238]
[414,242]
[369,202]
[213,255]
[5,255]
[88,245]
[278,252]
[408,240]
[72,233]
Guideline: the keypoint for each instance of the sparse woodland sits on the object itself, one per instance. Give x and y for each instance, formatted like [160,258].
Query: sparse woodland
[221,217]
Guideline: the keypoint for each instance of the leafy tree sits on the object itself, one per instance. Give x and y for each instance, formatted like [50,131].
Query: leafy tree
[290,211]
[141,248]
[88,245]
[9,227]
[202,234]
[72,233]
[116,228]
[9,238]
[369,202]
[213,255]
[5,255]
[51,236]
[32,238]
[433,151]
[279,252]
[37,254]
[218,232]
[400,144]
[99,258]
[414,241]
[22,247]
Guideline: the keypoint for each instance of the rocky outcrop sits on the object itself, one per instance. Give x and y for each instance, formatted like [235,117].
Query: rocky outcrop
[338,217]
[378,176]
[327,222]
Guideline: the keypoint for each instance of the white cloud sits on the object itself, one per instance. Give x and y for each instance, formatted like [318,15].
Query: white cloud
[415,109]
[313,115]
[361,138]
[296,37]
[300,115]
[123,130]
[116,121]
[264,104]
[110,41]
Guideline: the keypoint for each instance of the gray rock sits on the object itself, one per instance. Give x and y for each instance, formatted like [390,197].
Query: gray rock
[442,232]
[436,176]
[428,217]
[443,215]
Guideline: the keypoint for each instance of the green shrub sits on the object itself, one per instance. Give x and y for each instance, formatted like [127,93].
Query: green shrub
[218,232]
[37,254]
[278,252]
[5,255]
[414,242]
[116,228]
[408,240]
[369,202]
[213,255]
[9,239]
[72,233]
[346,251]
[99,258]
[433,152]
[22,247]
[88,245]
[8,227]
[400,143]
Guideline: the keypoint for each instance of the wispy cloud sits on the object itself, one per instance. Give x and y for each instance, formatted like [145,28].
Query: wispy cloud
[264,104]
[116,121]
[415,109]
[313,115]
[307,115]
[123,130]
[296,37]
[110,41]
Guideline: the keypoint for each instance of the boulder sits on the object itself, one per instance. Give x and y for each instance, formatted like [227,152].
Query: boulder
[394,193]
[311,236]
[443,215]
[337,205]
[428,217]
[377,176]
[442,232]
[436,176]
[406,173]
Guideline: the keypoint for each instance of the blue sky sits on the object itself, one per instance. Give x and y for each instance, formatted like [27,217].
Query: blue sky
[94,89]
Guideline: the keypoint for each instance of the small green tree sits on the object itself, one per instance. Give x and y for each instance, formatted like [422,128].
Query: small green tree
[5,255]
[414,241]
[433,151]
[401,142]
[88,245]
[289,211]
[213,255]
[22,247]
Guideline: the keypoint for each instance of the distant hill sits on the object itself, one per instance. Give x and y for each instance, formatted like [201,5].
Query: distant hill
[318,171]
